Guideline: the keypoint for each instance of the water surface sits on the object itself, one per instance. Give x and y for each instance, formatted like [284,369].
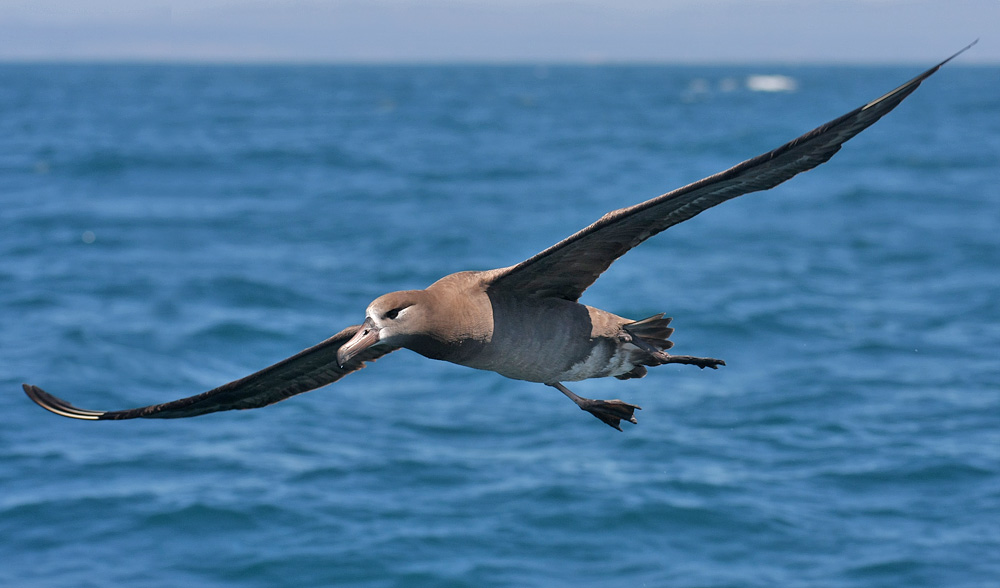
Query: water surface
[167,229]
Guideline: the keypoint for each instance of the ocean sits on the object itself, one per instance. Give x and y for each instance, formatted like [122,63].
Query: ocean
[169,228]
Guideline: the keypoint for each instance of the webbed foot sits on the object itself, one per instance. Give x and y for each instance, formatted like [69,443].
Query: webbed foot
[611,412]
[702,362]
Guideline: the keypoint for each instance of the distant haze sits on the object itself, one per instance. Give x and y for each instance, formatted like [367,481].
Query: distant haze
[678,31]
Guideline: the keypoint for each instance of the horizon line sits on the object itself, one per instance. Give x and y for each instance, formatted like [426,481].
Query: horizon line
[497,62]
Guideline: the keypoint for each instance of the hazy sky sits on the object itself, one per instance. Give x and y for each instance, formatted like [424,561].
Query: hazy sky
[919,31]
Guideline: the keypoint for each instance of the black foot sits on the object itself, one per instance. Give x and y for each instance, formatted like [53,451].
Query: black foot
[707,362]
[702,362]
[612,412]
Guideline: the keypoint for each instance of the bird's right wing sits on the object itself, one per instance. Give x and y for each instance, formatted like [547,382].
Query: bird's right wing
[307,370]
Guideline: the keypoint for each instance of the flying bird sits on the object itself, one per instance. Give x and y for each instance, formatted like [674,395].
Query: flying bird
[525,321]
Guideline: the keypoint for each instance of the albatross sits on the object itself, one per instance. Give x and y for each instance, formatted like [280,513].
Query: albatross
[525,321]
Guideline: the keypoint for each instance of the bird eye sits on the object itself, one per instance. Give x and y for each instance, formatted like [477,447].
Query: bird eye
[392,314]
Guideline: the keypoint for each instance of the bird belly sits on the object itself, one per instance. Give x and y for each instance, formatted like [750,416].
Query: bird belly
[605,358]
[551,341]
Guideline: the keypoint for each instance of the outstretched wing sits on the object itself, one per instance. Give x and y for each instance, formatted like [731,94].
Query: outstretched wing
[569,267]
[305,371]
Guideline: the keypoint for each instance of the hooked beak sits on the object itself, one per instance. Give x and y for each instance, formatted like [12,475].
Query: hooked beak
[366,336]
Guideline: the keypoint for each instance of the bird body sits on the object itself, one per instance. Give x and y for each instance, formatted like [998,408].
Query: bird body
[541,340]
[525,321]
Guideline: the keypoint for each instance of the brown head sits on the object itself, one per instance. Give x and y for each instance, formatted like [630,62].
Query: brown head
[391,319]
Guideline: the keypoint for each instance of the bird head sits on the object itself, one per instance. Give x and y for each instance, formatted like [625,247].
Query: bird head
[389,320]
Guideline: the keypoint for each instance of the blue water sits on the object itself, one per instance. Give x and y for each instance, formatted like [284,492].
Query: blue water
[166,229]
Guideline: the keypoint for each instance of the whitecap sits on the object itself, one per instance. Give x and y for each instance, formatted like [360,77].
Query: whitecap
[771,83]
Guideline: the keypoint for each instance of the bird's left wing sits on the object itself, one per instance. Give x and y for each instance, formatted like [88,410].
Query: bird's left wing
[305,371]
[569,267]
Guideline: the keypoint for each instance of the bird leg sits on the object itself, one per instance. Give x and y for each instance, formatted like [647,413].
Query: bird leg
[702,362]
[611,412]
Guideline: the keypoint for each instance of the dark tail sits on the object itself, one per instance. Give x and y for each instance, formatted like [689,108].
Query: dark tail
[654,331]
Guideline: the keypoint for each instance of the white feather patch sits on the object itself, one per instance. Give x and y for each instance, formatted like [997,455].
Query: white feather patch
[599,365]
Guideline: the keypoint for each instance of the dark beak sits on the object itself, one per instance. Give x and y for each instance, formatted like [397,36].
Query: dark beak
[366,336]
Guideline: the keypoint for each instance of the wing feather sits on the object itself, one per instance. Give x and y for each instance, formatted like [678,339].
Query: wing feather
[569,267]
[307,370]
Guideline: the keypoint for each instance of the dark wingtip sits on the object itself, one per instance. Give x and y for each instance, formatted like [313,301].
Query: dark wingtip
[58,405]
[953,56]
[893,98]
[957,53]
